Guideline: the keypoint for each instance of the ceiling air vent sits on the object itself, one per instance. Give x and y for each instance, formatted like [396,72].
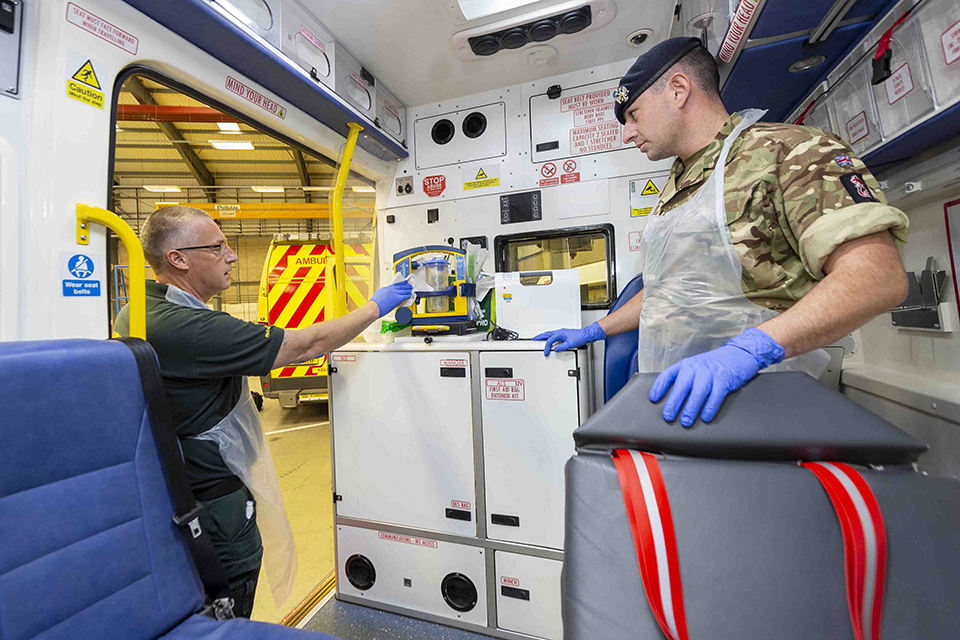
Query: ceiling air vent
[531,28]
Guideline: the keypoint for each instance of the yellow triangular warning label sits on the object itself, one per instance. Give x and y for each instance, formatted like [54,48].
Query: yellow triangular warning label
[87,75]
[481,175]
[650,189]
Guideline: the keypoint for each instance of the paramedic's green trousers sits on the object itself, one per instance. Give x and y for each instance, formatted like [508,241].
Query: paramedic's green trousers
[236,538]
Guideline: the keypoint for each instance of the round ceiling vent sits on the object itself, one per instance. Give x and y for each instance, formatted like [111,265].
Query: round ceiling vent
[807,64]
[574,21]
[486,46]
[513,39]
[543,30]
[639,37]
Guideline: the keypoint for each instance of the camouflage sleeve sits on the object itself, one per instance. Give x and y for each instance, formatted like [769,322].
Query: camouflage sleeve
[829,198]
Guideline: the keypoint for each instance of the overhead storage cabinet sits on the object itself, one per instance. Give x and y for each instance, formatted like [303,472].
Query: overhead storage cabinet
[308,44]
[856,109]
[940,29]
[906,96]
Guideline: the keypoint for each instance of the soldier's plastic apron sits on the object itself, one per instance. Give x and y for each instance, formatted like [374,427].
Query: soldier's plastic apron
[692,296]
[244,450]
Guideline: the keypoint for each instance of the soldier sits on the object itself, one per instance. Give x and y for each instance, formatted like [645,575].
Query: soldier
[788,249]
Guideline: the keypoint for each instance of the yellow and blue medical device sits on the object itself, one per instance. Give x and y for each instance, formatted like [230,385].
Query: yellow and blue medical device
[446,309]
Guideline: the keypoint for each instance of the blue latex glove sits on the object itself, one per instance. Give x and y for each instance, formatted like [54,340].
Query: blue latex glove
[570,338]
[707,378]
[392,296]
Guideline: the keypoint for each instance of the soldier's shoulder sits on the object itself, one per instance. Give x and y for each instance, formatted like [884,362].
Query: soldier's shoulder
[789,135]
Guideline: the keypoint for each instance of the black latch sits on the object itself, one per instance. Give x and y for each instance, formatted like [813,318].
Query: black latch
[337,498]
[676,10]
[574,373]
[548,146]
[8,13]
[366,75]
[513,592]
[331,369]
[554,91]
[376,121]
[459,514]
[453,372]
[881,67]
[498,372]
[504,520]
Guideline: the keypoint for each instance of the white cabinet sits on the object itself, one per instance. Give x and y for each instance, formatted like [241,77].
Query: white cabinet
[530,408]
[403,443]
[528,595]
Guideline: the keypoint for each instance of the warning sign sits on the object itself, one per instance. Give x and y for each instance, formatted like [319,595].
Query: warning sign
[399,537]
[434,185]
[950,41]
[857,127]
[487,175]
[102,29]
[570,173]
[594,138]
[83,85]
[251,95]
[899,84]
[227,210]
[498,389]
[314,40]
[634,240]
[643,199]
[592,100]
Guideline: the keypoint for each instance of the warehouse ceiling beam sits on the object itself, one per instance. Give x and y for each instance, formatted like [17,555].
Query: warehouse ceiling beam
[303,172]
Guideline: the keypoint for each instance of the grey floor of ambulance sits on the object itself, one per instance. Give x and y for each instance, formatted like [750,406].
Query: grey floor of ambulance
[353,622]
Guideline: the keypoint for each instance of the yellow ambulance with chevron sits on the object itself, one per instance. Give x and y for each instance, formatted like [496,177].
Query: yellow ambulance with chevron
[296,290]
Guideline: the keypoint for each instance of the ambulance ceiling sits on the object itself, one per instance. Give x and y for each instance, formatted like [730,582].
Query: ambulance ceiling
[408,44]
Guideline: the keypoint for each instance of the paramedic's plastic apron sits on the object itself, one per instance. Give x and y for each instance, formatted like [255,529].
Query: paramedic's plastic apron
[245,452]
[692,297]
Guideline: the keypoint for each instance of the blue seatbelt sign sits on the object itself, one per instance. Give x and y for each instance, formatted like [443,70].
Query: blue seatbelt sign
[80,281]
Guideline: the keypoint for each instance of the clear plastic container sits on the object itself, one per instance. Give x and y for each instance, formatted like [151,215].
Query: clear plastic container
[436,276]
[855,109]
[906,96]
[940,28]
[821,116]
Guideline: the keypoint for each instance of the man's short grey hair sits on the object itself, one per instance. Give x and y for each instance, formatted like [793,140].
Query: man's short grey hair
[166,229]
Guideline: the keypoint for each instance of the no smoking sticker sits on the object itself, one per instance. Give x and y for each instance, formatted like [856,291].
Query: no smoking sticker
[549,178]
[503,389]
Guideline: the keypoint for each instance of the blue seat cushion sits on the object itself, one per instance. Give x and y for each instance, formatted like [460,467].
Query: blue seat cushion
[620,351]
[199,627]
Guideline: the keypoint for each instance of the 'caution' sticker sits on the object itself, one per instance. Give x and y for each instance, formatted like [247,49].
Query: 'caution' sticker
[83,85]
[481,177]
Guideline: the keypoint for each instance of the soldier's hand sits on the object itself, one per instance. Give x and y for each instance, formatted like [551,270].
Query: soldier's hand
[704,380]
[563,339]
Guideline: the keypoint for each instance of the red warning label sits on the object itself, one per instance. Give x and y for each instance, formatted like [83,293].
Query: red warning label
[340,358]
[460,504]
[252,95]
[434,185]
[317,42]
[594,138]
[510,582]
[594,115]
[454,362]
[499,389]
[398,537]
[101,28]
[584,101]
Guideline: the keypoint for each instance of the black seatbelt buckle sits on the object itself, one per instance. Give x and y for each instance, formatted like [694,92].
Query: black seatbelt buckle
[881,67]
[191,519]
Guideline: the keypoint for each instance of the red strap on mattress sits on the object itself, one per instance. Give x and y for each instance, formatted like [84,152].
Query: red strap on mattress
[864,543]
[648,511]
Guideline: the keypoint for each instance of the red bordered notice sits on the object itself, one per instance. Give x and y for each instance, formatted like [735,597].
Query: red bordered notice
[950,40]
[510,582]
[460,504]
[634,240]
[434,185]
[503,389]
[598,137]
[343,358]
[314,40]
[857,127]
[454,362]
[102,29]
[398,537]
[899,84]
[252,95]
[359,79]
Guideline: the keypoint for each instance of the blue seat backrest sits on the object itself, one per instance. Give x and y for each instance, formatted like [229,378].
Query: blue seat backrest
[88,546]
[620,352]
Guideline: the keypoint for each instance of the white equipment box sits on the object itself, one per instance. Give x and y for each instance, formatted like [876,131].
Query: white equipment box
[531,302]
[448,461]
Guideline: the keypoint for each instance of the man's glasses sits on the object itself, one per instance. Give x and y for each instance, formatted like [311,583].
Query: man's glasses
[218,248]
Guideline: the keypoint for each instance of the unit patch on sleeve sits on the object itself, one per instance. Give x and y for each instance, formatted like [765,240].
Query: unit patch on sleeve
[857,188]
[844,161]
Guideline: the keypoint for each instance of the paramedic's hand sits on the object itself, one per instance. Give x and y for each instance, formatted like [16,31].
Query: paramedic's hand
[709,377]
[570,338]
[392,296]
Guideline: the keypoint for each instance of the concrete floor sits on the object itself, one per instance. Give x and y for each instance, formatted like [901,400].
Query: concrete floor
[299,440]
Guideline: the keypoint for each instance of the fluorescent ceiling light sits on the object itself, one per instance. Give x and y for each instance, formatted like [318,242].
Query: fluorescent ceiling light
[316,188]
[228,126]
[229,145]
[159,188]
[164,204]
[364,189]
[268,189]
[474,9]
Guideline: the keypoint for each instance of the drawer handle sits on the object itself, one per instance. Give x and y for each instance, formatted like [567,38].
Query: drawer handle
[507,521]
[513,592]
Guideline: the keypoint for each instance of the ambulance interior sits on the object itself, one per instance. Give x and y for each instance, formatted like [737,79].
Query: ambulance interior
[424,473]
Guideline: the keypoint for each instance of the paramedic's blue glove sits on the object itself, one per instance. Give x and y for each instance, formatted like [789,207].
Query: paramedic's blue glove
[570,338]
[709,377]
[392,296]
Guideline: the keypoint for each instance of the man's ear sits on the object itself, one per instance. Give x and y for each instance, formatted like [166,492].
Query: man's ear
[177,260]
[679,85]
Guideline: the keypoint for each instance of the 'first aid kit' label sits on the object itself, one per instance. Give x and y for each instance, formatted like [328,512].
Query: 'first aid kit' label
[499,389]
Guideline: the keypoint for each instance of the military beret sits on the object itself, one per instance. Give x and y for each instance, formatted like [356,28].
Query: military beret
[648,68]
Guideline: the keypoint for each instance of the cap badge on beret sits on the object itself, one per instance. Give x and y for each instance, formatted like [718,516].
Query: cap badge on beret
[621,95]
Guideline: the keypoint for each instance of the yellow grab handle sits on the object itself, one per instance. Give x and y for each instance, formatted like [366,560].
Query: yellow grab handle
[138,291]
[340,270]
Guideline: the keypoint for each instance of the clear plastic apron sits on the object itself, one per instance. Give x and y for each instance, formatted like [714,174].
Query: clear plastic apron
[244,450]
[693,300]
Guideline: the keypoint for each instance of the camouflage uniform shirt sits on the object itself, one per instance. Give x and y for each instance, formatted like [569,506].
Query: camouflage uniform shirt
[793,194]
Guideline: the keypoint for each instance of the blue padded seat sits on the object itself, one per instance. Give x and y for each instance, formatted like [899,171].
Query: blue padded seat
[620,352]
[89,548]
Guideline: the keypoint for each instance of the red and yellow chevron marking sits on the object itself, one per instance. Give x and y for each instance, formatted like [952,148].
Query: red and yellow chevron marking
[298,295]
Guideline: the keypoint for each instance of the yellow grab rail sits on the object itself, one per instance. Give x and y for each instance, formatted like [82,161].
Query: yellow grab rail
[138,278]
[340,270]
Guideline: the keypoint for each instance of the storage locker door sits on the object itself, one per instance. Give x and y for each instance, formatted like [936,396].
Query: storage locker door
[403,439]
[530,408]
[528,595]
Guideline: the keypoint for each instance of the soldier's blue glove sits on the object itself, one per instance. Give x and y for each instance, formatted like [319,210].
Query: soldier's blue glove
[570,338]
[391,296]
[707,378]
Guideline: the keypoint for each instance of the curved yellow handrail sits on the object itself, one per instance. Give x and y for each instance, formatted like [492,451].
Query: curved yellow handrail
[138,292]
[340,269]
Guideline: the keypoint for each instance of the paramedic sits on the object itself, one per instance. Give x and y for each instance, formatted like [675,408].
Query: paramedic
[205,356]
[801,253]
